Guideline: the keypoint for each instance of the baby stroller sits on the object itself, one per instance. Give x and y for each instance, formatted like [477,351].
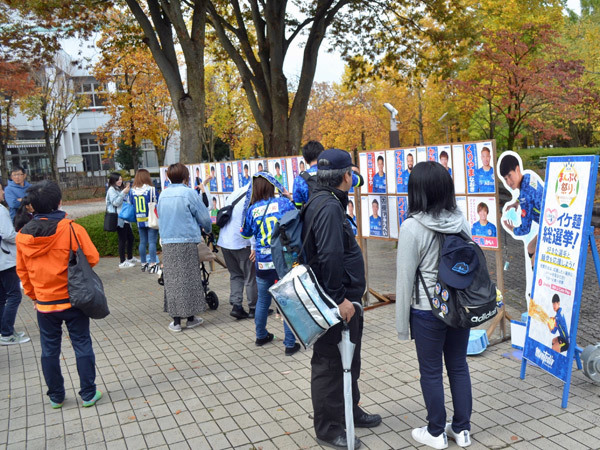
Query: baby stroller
[205,255]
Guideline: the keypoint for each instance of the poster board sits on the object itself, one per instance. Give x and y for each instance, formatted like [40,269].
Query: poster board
[471,166]
[561,253]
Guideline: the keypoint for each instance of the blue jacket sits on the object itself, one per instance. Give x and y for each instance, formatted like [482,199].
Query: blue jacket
[181,214]
[12,192]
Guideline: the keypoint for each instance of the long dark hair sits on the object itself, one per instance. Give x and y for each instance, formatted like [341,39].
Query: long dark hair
[262,189]
[112,181]
[430,189]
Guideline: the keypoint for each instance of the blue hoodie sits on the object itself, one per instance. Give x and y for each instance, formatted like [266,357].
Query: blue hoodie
[12,193]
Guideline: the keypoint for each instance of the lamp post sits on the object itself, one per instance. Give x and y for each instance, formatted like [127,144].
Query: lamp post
[445,124]
[394,135]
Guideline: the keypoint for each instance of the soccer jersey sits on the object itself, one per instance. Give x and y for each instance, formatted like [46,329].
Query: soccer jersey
[213,215]
[262,229]
[450,170]
[375,226]
[531,194]
[353,224]
[140,197]
[488,229]
[245,180]
[403,182]
[560,325]
[484,180]
[300,192]
[279,178]
[228,186]
[379,184]
[213,185]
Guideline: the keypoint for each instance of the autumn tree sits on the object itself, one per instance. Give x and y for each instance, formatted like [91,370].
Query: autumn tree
[524,78]
[138,104]
[15,83]
[55,102]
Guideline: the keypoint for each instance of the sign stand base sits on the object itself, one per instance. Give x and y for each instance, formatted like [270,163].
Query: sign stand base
[578,350]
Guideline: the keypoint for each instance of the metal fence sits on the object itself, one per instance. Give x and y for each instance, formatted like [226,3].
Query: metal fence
[80,180]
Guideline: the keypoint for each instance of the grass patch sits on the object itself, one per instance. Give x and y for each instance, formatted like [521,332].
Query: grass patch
[107,243]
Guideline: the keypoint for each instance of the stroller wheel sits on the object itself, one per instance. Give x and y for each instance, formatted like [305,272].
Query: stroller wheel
[212,300]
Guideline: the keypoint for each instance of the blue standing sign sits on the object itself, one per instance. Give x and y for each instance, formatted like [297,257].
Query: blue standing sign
[560,260]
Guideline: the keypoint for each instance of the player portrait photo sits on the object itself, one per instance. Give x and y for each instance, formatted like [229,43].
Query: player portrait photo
[480,173]
[379,184]
[402,180]
[483,221]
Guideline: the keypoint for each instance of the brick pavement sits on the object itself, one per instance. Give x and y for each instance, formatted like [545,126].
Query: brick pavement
[210,387]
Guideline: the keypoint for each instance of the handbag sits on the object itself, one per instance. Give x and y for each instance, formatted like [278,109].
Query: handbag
[152,213]
[205,253]
[305,306]
[111,220]
[225,213]
[127,212]
[86,291]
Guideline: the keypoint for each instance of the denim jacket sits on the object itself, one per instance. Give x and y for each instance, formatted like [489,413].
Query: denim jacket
[181,213]
[114,203]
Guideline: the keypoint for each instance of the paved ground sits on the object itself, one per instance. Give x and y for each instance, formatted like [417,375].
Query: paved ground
[212,388]
[75,210]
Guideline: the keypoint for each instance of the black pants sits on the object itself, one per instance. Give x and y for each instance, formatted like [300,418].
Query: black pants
[327,380]
[125,241]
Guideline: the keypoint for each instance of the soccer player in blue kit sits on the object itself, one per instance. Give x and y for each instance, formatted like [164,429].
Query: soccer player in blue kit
[352,217]
[444,161]
[403,186]
[228,185]
[375,226]
[482,227]
[213,180]
[484,175]
[559,324]
[379,178]
[530,198]
[246,177]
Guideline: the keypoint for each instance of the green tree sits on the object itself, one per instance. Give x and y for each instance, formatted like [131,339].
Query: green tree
[127,156]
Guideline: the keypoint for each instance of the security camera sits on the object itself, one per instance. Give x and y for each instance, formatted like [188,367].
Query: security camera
[393,111]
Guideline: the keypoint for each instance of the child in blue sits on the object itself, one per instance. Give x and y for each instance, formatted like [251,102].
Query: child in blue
[561,342]
[484,175]
[375,226]
[167,181]
[482,227]
[228,185]
[530,198]
[263,213]
[379,178]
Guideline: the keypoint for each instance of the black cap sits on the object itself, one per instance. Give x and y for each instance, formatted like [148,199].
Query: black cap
[458,262]
[334,159]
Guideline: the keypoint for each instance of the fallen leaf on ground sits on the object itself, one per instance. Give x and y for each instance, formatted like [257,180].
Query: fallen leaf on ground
[178,411]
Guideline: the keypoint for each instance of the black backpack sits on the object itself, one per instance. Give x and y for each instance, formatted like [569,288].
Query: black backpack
[465,307]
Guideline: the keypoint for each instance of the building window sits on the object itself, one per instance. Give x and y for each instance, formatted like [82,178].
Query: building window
[149,158]
[93,90]
[93,154]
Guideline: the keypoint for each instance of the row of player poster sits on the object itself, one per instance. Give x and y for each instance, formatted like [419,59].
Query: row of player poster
[228,176]
[469,164]
[382,216]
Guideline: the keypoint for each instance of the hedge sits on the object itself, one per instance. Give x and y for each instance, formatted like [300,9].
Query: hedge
[108,243]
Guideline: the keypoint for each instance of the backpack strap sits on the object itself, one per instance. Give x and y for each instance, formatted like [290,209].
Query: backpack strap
[419,275]
[237,200]
[305,175]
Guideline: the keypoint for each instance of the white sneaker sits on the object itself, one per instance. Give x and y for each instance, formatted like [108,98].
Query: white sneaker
[14,339]
[152,268]
[463,439]
[194,323]
[134,260]
[125,264]
[174,327]
[422,436]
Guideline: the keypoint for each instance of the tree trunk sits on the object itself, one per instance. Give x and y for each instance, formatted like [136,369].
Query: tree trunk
[4,135]
[492,121]
[510,141]
[190,128]
[420,120]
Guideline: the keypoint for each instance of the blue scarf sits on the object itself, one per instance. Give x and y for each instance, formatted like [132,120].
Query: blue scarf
[267,176]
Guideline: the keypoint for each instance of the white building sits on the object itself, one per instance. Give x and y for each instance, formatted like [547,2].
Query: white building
[79,149]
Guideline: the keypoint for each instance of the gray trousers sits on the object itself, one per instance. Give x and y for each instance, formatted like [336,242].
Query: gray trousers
[242,272]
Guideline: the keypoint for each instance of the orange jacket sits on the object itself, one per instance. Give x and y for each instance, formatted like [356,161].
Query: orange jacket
[43,259]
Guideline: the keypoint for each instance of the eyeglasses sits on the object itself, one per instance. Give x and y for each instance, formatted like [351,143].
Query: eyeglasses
[18,174]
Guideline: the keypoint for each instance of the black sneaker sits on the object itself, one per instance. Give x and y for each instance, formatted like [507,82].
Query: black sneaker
[289,351]
[268,338]
[144,267]
[251,312]
[238,312]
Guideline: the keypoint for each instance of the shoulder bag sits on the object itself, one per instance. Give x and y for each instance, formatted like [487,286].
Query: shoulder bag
[86,291]
[152,213]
